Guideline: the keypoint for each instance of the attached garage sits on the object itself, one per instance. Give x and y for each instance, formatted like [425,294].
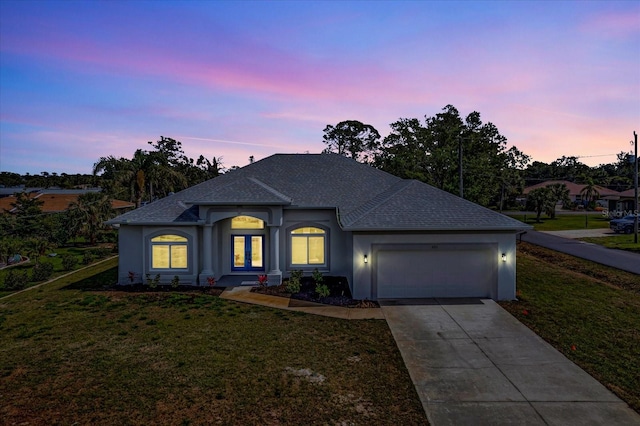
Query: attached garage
[434,270]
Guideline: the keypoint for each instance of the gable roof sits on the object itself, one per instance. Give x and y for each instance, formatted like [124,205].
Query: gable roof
[365,198]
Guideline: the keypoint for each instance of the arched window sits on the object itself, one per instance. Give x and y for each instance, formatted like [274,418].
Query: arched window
[169,252]
[308,246]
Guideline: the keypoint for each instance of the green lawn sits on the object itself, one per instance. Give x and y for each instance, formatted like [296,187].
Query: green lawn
[96,253]
[621,242]
[589,312]
[72,354]
[564,222]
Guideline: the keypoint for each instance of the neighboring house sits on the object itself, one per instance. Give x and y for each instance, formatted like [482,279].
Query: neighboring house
[58,200]
[607,196]
[390,237]
[625,202]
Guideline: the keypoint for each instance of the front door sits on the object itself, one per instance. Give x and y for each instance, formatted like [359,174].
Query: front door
[247,253]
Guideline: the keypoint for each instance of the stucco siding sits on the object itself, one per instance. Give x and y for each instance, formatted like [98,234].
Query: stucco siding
[130,258]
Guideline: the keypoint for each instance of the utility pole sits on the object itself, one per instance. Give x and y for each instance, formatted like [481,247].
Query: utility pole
[460,166]
[635,192]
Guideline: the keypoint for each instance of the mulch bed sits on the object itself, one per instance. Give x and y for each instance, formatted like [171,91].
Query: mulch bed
[339,293]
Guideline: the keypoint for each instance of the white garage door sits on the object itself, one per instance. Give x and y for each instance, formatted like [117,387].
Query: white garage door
[441,271]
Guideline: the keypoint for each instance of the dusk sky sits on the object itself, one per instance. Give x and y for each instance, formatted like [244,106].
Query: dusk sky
[84,79]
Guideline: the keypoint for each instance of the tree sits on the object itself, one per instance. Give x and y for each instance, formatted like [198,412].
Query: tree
[27,211]
[430,152]
[404,151]
[512,175]
[558,192]
[352,139]
[589,193]
[89,214]
[539,200]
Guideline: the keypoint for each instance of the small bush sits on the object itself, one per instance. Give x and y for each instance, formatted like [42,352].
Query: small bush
[322,290]
[41,271]
[317,276]
[15,280]
[175,282]
[153,283]
[87,257]
[295,282]
[69,262]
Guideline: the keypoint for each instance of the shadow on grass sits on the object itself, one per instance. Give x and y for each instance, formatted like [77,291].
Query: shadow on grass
[102,281]
[106,281]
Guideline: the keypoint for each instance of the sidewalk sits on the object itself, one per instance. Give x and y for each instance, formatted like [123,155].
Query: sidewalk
[244,294]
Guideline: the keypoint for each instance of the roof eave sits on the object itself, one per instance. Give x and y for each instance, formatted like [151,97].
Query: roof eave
[236,203]
[149,223]
[441,229]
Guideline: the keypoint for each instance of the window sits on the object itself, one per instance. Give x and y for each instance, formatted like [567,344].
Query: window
[246,222]
[308,246]
[169,252]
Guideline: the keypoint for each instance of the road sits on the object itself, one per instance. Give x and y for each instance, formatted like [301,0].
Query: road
[620,259]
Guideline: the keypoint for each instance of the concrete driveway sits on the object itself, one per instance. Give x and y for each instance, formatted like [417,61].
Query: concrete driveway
[473,363]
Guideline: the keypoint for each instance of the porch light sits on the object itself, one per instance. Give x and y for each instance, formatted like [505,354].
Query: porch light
[366,260]
[504,257]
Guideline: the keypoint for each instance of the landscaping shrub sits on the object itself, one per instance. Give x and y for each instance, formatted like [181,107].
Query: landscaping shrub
[87,257]
[69,262]
[175,282]
[295,281]
[317,276]
[322,290]
[41,271]
[15,280]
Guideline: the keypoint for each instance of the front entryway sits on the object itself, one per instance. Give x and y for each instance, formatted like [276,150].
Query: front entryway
[247,253]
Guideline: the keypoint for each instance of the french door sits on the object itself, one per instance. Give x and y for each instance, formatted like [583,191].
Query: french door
[247,253]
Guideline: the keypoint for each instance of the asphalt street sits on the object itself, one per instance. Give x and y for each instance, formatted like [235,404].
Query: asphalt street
[624,260]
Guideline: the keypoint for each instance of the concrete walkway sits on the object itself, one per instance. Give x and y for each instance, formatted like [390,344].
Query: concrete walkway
[624,260]
[475,364]
[244,294]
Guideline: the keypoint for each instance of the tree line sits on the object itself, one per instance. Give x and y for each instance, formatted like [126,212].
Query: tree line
[451,152]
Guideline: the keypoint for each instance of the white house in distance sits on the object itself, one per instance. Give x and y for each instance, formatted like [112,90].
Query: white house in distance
[390,237]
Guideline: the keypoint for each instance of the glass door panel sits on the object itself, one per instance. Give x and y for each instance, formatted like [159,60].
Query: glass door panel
[256,251]
[247,253]
[238,252]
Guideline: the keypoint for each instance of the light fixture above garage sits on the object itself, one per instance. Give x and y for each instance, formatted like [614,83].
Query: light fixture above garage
[366,259]
[504,257]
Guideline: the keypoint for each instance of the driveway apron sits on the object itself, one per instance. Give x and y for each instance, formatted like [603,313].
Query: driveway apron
[473,363]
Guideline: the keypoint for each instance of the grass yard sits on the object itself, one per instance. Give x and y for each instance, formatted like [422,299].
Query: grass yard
[564,222]
[70,353]
[589,312]
[80,254]
[621,242]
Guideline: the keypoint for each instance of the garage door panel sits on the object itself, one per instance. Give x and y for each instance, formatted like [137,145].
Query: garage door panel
[435,273]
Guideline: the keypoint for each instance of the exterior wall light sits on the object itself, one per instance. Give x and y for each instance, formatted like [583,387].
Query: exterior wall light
[366,259]
[504,257]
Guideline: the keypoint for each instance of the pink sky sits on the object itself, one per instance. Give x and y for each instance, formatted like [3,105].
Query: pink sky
[82,80]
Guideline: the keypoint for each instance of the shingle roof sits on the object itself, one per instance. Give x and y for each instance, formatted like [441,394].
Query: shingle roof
[55,202]
[365,198]
[574,188]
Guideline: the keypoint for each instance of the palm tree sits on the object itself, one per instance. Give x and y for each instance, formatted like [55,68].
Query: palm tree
[559,192]
[146,173]
[591,194]
[540,200]
[89,213]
